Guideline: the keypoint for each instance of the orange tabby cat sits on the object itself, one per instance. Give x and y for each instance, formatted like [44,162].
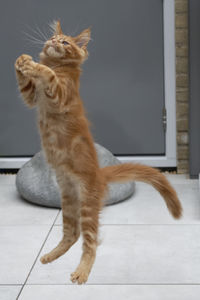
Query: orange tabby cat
[53,86]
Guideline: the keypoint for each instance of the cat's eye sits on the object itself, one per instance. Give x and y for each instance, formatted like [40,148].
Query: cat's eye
[65,43]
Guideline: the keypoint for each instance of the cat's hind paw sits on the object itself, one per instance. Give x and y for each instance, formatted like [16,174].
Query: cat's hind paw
[45,259]
[79,276]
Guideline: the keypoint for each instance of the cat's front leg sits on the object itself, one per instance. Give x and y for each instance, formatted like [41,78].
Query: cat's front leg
[30,69]
[46,79]
[26,83]
[49,82]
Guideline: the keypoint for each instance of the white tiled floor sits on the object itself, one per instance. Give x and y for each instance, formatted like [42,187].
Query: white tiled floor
[144,253]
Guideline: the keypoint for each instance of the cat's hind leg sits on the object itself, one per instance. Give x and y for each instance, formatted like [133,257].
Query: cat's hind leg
[90,209]
[71,228]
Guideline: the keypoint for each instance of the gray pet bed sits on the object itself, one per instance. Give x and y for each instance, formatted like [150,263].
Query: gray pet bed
[36,181]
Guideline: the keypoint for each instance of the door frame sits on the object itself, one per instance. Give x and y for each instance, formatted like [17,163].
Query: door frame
[169,159]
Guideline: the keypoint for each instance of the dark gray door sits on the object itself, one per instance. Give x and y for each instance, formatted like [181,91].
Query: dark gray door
[122,83]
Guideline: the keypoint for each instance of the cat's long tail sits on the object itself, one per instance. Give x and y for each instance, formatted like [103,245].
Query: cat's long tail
[128,171]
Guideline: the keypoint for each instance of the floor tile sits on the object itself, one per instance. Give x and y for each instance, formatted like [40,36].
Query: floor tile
[110,292]
[7,179]
[180,178]
[16,211]
[130,254]
[19,248]
[9,292]
[146,206]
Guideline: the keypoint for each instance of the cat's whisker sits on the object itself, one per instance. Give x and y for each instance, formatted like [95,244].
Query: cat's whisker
[52,27]
[38,32]
[41,33]
[38,36]
[33,44]
[33,39]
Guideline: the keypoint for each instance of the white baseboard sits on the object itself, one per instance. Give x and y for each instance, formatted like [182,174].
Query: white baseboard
[13,163]
[154,161]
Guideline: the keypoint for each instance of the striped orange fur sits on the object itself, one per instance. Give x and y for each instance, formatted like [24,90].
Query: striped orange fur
[53,86]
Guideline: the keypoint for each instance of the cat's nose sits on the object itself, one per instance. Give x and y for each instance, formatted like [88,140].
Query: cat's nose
[53,41]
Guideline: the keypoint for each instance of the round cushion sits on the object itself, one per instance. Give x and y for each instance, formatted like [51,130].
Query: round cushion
[36,181]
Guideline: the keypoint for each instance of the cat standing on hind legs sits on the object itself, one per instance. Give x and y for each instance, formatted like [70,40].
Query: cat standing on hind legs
[52,85]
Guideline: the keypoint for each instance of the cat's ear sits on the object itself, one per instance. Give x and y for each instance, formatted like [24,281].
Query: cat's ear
[83,38]
[56,27]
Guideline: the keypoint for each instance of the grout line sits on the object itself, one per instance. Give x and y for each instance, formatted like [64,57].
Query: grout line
[27,225]
[57,216]
[94,284]
[158,224]
[38,255]
[10,284]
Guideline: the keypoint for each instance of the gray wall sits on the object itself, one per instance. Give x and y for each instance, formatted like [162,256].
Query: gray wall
[194,25]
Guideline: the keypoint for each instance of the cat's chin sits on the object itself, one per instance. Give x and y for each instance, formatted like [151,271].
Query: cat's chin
[51,51]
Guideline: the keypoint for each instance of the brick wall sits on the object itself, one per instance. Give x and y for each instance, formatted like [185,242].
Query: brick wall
[182,85]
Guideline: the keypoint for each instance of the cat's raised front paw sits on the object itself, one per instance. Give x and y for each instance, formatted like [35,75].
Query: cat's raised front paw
[21,61]
[26,66]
